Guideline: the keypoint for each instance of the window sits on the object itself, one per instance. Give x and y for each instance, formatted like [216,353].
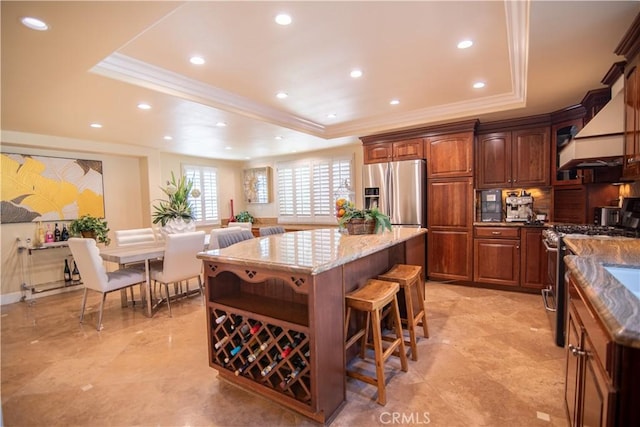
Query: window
[205,206]
[306,188]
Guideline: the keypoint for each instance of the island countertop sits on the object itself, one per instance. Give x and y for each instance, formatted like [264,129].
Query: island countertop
[616,306]
[308,251]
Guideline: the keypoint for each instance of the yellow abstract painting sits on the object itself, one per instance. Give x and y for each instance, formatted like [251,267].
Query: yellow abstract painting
[40,188]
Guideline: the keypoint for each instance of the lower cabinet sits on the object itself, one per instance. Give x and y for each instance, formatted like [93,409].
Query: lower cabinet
[533,259]
[497,255]
[449,255]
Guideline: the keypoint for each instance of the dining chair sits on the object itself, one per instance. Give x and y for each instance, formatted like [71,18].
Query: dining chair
[136,236]
[180,262]
[94,275]
[244,225]
[215,232]
[274,229]
[232,237]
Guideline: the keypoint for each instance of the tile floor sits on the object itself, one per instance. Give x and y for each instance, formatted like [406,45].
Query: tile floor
[490,361]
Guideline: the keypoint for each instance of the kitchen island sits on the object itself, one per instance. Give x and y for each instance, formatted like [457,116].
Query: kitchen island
[275,310]
[603,332]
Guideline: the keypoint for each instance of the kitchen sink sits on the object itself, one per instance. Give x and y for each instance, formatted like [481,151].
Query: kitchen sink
[628,276]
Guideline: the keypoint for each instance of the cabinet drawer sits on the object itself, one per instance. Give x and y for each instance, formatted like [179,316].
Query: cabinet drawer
[497,232]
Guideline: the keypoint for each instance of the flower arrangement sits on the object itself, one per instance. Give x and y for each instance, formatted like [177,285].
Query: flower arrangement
[347,215]
[244,216]
[177,206]
[90,226]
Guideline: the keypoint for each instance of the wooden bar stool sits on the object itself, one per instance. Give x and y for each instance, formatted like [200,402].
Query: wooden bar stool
[371,299]
[409,276]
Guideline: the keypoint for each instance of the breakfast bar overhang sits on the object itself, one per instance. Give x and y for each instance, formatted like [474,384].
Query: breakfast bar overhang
[275,310]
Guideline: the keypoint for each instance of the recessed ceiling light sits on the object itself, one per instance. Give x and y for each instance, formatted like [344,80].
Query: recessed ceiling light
[227,148]
[478,85]
[221,124]
[281,95]
[465,44]
[356,73]
[394,102]
[34,23]
[96,125]
[247,158]
[283,19]
[331,116]
[144,106]
[167,137]
[278,137]
[196,60]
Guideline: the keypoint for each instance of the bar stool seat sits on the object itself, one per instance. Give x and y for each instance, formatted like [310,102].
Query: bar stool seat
[371,299]
[408,277]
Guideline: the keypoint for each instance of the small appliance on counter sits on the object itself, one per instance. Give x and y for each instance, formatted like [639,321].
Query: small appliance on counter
[491,206]
[519,208]
[606,216]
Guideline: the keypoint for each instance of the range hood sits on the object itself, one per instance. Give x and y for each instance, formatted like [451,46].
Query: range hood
[601,141]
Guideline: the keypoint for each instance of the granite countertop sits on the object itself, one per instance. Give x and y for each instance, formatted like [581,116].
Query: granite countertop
[508,224]
[308,251]
[616,306]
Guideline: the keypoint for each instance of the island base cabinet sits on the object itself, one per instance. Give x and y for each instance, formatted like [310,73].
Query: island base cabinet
[266,336]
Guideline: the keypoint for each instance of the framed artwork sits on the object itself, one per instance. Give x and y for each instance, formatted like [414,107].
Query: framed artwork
[257,185]
[41,188]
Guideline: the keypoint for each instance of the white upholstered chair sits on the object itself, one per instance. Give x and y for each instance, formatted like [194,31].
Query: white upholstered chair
[232,237]
[137,236]
[244,225]
[94,275]
[274,229]
[180,262]
[215,232]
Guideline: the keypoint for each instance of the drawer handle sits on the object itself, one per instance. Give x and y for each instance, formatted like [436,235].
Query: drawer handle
[576,351]
[496,233]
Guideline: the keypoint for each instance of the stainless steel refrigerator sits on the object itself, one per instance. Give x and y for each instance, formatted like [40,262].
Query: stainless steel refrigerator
[397,189]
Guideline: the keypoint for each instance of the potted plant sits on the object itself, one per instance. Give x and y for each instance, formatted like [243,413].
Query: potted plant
[92,227]
[361,221]
[244,216]
[175,212]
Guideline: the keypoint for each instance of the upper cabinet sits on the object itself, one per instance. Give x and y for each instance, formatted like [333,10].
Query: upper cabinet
[379,152]
[631,165]
[449,155]
[517,158]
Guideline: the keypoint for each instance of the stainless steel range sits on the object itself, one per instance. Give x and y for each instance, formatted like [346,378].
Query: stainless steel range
[554,296]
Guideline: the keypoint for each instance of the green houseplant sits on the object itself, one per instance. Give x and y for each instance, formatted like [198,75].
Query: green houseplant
[362,221]
[90,226]
[244,216]
[177,205]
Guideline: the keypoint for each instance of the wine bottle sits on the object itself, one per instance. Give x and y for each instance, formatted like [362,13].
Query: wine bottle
[221,342]
[220,319]
[75,274]
[270,367]
[237,320]
[286,350]
[64,236]
[67,271]
[260,349]
[298,366]
[56,233]
[238,346]
[242,368]
[48,236]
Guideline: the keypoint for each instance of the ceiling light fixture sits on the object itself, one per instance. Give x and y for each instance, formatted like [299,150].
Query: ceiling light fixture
[167,137]
[34,23]
[478,85]
[283,19]
[278,137]
[144,106]
[356,74]
[96,125]
[281,95]
[394,102]
[221,124]
[331,116]
[196,60]
[464,44]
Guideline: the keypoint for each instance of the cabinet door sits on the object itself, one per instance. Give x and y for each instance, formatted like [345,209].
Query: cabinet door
[530,157]
[449,155]
[597,393]
[496,261]
[570,204]
[561,133]
[493,160]
[572,368]
[450,203]
[534,259]
[449,254]
[631,167]
[378,153]
[411,149]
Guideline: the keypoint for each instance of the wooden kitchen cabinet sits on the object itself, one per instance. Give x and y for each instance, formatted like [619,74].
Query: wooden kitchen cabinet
[533,261]
[631,165]
[496,255]
[379,152]
[450,219]
[520,158]
[449,155]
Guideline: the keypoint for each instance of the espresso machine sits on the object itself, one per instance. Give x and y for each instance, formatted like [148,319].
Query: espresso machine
[519,208]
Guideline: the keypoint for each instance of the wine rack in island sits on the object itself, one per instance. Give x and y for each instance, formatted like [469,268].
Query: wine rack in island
[278,334]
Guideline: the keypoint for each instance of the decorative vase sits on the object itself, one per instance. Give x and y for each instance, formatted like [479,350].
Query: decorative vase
[360,226]
[178,225]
